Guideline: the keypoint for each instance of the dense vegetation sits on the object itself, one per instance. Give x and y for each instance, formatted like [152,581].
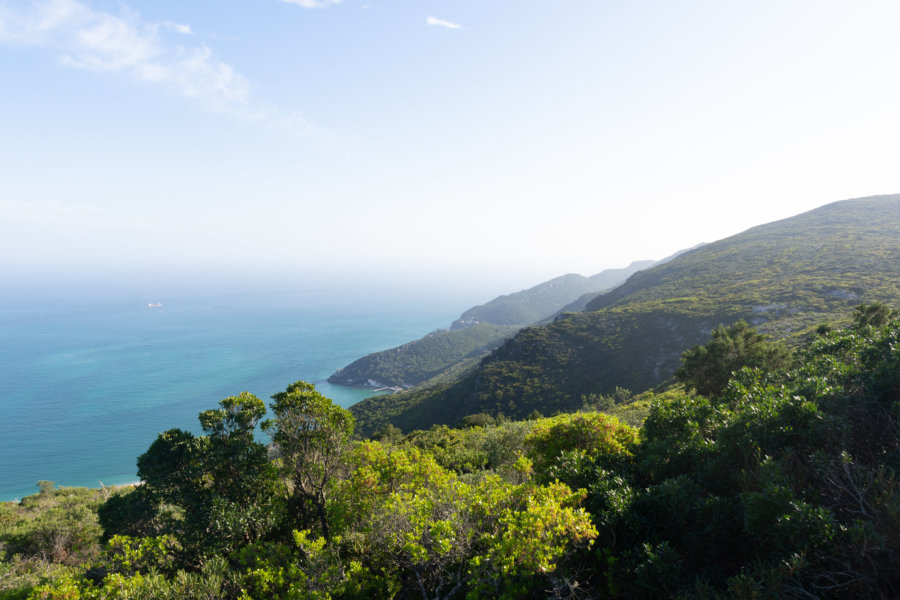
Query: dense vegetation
[415,362]
[444,355]
[782,483]
[785,278]
[47,536]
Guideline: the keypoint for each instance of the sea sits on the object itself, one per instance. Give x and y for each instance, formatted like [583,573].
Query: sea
[88,382]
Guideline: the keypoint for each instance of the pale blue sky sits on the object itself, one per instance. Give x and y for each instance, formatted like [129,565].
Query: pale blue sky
[505,142]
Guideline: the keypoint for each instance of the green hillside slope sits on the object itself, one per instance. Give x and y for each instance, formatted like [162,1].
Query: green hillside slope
[545,299]
[581,303]
[605,281]
[478,331]
[784,277]
[415,362]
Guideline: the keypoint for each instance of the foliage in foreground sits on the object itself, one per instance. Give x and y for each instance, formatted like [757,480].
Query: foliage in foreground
[708,368]
[783,484]
[47,535]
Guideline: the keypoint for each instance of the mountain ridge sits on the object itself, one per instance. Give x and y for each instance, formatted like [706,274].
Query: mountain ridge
[476,332]
[544,299]
[785,277]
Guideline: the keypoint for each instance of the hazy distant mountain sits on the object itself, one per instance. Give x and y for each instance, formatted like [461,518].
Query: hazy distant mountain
[545,299]
[581,303]
[478,331]
[785,277]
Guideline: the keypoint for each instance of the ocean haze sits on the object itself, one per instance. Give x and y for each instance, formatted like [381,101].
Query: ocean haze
[452,288]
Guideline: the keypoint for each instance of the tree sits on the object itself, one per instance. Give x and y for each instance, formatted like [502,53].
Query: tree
[598,437]
[388,434]
[216,492]
[441,535]
[239,466]
[875,314]
[708,368]
[312,434]
[478,420]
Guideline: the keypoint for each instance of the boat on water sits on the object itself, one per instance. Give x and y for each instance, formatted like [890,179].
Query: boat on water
[154,304]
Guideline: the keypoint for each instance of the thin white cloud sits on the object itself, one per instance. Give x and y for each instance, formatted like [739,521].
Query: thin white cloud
[432,21]
[179,28]
[126,45]
[313,3]
[225,38]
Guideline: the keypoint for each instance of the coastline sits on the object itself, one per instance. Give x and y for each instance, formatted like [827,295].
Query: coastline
[91,387]
[101,487]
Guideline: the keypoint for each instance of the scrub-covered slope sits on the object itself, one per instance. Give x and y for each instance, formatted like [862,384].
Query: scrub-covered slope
[478,331]
[784,277]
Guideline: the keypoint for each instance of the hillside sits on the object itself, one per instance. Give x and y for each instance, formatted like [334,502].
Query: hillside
[784,277]
[543,300]
[415,362]
[478,331]
[580,304]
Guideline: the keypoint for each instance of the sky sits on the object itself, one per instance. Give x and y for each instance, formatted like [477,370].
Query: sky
[496,143]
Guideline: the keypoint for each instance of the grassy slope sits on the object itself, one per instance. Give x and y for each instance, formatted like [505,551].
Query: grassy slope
[784,277]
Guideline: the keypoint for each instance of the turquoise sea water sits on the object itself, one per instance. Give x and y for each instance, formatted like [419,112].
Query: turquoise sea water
[86,387]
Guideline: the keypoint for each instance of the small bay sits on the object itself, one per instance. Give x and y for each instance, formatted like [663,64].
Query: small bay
[86,386]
